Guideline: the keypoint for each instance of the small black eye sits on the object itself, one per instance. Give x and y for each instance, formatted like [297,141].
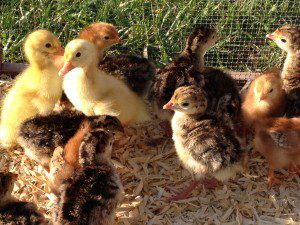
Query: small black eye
[48,45]
[78,54]
[185,104]
[106,37]
[283,40]
[271,90]
[213,36]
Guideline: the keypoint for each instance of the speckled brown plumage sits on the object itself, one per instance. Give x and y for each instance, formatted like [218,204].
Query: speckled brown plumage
[203,140]
[188,69]
[95,144]
[13,212]
[288,39]
[222,94]
[90,196]
[41,135]
[137,72]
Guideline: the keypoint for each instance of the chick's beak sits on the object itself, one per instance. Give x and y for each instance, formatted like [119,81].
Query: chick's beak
[66,68]
[60,51]
[271,36]
[262,96]
[169,105]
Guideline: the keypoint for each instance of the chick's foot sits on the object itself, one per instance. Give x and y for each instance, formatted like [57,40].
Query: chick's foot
[182,194]
[272,179]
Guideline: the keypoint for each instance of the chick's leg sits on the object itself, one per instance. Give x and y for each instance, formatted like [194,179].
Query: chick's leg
[185,193]
[272,179]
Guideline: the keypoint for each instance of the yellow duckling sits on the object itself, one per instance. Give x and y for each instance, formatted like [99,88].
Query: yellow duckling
[37,89]
[94,92]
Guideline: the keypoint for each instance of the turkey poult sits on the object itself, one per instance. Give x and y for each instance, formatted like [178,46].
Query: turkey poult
[205,145]
[288,39]
[183,70]
[92,193]
[40,135]
[189,69]
[12,211]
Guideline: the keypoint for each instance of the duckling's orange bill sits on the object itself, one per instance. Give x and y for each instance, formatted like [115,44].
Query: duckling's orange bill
[66,68]
[169,105]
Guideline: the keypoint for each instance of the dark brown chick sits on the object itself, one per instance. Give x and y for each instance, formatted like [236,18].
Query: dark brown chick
[65,159]
[277,139]
[264,98]
[12,211]
[288,39]
[205,145]
[183,70]
[137,72]
[92,193]
[39,136]
[188,69]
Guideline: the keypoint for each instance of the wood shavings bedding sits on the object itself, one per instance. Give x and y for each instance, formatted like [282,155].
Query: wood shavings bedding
[146,170]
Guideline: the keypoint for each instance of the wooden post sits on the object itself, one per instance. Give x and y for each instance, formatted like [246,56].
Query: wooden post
[10,68]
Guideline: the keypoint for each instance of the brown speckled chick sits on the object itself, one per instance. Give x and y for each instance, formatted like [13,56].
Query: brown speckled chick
[277,139]
[13,212]
[188,69]
[92,193]
[183,70]
[137,72]
[205,145]
[288,39]
[41,135]
[65,159]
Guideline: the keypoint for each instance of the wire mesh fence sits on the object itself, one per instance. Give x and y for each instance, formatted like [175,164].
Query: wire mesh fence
[244,47]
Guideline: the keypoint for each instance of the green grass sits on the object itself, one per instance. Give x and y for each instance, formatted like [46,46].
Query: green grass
[158,27]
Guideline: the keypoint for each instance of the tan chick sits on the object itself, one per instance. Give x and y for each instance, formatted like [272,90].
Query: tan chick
[104,35]
[205,145]
[12,211]
[93,91]
[264,98]
[277,139]
[36,90]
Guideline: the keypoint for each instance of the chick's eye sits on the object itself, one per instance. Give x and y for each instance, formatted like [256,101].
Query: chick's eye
[106,37]
[78,54]
[283,40]
[185,104]
[213,36]
[48,45]
[271,90]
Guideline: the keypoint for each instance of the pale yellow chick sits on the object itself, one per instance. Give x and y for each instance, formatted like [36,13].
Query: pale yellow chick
[36,90]
[94,92]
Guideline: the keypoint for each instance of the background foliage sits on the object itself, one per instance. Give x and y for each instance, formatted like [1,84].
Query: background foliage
[158,27]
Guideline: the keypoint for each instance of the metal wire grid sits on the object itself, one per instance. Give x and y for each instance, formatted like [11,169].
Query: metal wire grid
[244,46]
